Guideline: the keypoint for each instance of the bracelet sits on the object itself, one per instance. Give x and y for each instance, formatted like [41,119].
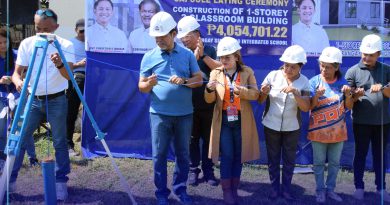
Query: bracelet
[209,90]
[60,66]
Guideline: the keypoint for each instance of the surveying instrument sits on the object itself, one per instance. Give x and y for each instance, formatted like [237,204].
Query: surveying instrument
[21,118]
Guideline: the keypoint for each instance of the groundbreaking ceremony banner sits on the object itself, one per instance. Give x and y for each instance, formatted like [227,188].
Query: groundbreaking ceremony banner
[116,38]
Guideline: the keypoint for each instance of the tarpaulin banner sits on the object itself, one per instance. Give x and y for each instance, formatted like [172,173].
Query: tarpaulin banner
[117,37]
[122,112]
[264,27]
[261,27]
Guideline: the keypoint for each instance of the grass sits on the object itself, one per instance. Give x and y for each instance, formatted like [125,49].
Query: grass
[95,182]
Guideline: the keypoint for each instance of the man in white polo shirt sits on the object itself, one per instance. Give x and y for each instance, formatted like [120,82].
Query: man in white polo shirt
[49,96]
[102,36]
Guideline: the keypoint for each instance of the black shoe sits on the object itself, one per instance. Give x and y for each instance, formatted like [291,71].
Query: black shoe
[162,201]
[34,162]
[288,196]
[211,180]
[193,179]
[185,198]
[273,195]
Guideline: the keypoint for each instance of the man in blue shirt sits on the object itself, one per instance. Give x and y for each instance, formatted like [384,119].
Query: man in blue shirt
[168,73]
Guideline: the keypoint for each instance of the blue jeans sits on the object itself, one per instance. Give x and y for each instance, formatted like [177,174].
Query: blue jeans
[320,152]
[30,147]
[230,144]
[57,109]
[166,129]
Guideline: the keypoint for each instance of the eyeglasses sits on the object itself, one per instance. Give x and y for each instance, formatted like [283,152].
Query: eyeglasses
[189,35]
[148,11]
[81,31]
[47,13]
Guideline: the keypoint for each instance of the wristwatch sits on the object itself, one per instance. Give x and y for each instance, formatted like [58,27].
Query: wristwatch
[185,81]
[203,57]
[60,66]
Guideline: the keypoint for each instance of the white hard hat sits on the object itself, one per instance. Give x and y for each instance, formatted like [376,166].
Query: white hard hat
[331,55]
[227,45]
[161,24]
[294,54]
[186,25]
[371,44]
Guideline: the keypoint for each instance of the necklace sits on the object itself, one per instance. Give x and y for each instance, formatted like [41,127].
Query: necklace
[230,72]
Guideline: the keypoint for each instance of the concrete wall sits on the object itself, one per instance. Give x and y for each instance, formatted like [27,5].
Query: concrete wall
[68,11]
[324,16]
[363,14]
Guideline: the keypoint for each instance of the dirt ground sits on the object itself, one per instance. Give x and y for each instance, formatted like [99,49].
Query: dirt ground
[95,182]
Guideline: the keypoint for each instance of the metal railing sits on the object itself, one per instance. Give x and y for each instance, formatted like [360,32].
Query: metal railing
[19,32]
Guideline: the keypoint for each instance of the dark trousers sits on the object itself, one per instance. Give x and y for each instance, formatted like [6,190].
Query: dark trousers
[201,130]
[364,134]
[73,106]
[281,145]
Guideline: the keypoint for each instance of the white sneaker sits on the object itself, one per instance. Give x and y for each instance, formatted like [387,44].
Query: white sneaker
[72,153]
[12,187]
[334,196]
[320,197]
[62,191]
[384,195]
[359,194]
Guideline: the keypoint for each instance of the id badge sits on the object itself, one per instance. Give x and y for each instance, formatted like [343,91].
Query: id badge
[232,113]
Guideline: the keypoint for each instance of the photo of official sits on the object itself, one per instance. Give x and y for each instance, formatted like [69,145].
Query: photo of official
[139,40]
[102,36]
[307,34]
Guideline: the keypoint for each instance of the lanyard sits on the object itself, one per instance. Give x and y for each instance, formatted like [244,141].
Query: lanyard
[231,82]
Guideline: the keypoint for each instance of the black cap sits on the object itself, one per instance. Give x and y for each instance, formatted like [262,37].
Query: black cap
[79,23]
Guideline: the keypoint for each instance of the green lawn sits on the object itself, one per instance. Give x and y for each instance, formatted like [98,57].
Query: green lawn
[95,182]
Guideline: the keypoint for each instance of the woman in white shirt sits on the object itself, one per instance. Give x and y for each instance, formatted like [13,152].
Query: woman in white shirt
[287,94]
